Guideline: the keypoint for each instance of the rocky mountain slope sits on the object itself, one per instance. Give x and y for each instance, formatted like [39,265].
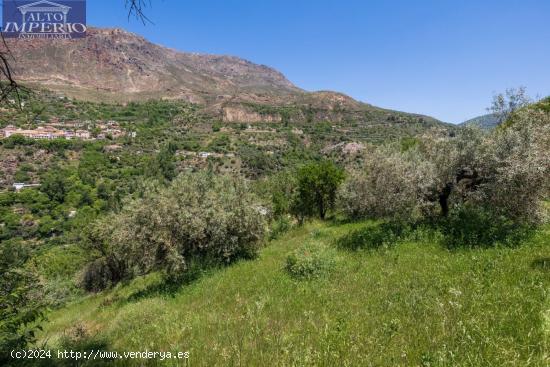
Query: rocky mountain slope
[114,65]
[112,61]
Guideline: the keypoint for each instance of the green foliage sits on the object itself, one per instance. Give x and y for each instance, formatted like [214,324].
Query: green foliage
[310,261]
[80,339]
[91,165]
[543,105]
[21,176]
[16,140]
[470,226]
[279,189]
[220,144]
[164,165]
[199,216]
[20,304]
[317,184]
[408,143]
[392,184]
[54,184]
[373,236]
[102,273]
[279,227]
[257,162]
[477,307]
[60,261]
[216,127]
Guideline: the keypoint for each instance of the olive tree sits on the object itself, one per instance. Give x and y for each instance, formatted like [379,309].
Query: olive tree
[514,168]
[391,184]
[198,218]
[505,173]
[453,160]
[505,104]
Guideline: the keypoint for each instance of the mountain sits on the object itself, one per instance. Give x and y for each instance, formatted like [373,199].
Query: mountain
[112,61]
[488,121]
[112,65]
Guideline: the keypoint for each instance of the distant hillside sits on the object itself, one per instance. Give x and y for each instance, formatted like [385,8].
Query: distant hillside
[112,65]
[488,121]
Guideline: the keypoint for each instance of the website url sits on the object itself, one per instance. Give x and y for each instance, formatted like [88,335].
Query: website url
[95,354]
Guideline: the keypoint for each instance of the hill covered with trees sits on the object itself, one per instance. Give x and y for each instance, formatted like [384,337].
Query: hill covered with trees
[200,230]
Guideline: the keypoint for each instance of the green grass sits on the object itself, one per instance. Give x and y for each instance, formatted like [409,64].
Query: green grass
[412,304]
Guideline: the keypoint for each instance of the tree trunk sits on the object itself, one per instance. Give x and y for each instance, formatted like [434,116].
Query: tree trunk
[322,210]
[444,199]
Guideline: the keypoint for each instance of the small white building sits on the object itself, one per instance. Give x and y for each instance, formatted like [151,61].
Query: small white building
[18,186]
[83,134]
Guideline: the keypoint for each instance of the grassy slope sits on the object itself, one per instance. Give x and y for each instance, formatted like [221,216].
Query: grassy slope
[413,304]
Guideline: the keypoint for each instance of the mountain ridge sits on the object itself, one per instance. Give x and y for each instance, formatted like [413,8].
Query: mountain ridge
[487,121]
[114,65]
[127,62]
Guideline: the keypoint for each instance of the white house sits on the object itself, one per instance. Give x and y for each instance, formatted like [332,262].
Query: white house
[19,185]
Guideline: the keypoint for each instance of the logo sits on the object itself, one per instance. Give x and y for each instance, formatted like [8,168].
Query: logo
[63,19]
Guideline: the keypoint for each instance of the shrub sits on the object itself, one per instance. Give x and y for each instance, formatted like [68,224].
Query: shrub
[373,236]
[504,173]
[515,168]
[81,338]
[256,161]
[198,217]
[310,261]
[21,304]
[98,275]
[279,227]
[281,188]
[471,226]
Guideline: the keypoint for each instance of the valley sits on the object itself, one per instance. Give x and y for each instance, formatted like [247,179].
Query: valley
[159,201]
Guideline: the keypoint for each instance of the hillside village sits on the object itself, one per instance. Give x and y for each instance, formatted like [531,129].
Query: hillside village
[70,130]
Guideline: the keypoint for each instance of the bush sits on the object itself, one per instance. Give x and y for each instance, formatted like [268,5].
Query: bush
[80,338]
[310,261]
[515,169]
[279,227]
[470,226]
[98,275]
[373,237]
[214,219]
[391,185]
[21,304]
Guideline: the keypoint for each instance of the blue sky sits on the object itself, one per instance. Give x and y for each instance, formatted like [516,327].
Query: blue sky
[438,57]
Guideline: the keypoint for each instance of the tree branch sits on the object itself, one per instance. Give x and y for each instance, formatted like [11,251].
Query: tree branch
[136,9]
[8,85]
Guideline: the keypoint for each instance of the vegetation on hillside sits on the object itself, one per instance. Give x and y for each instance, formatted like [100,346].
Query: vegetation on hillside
[149,223]
[409,303]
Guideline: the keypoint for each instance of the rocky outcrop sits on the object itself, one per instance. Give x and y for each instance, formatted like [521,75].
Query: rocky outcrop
[236,114]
